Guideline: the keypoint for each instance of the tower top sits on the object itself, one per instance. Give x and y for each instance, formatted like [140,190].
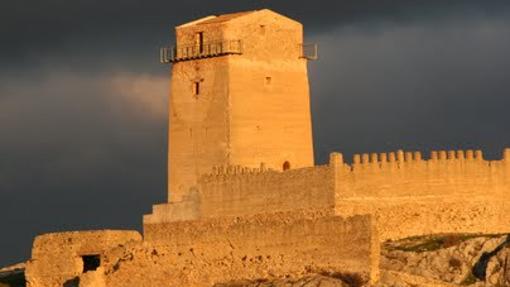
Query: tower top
[254,34]
[214,19]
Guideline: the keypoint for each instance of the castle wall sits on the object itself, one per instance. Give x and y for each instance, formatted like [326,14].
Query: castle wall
[205,252]
[405,174]
[239,191]
[455,191]
[57,257]
[186,209]
[401,218]
[408,195]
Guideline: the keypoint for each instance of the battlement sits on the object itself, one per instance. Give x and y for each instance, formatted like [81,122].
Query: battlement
[402,156]
[408,173]
[402,175]
[224,171]
[402,159]
[237,172]
[234,190]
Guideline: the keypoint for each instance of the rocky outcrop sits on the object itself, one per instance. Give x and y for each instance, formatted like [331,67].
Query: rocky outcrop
[450,258]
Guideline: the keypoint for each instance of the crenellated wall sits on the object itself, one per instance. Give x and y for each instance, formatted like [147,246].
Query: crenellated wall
[237,191]
[404,174]
[452,191]
[241,191]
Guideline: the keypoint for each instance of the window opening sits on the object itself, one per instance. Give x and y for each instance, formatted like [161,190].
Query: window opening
[196,89]
[200,42]
[286,165]
[262,29]
[91,262]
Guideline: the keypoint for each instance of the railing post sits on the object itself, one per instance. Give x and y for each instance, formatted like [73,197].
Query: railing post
[179,53]
[161,60]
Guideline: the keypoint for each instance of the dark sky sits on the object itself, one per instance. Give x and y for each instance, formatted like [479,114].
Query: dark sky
[83,97]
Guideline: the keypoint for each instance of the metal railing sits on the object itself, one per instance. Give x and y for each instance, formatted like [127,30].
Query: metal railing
[310,51]
[213,49]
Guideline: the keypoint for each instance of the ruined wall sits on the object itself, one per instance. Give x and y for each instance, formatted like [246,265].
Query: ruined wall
[205,252]
[57,257]
[455,191]
[188,208]
[237,191]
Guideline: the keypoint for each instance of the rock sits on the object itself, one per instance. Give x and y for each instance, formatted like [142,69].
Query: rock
[451,263]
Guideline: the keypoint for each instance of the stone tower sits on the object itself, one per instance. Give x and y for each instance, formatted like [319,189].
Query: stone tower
[239,96]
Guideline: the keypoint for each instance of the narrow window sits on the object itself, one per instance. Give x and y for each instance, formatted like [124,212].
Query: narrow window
[90,262]
[286,165]
[196,89]
[268,80]
[262,29]
[200,42]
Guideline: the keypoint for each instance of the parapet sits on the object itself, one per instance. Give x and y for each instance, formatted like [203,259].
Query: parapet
[232,171]
[236,191]
[409,173]
[226,172]
[402,159]
[412,195]
[239,191]
[401,156]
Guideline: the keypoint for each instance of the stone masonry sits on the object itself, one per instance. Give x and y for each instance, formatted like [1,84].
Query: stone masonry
[245,199]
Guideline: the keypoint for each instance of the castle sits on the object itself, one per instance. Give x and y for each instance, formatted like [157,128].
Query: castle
[245,199]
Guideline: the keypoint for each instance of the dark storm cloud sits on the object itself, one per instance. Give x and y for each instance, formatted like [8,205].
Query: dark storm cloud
[417,87]
[82,97]
[78,152]
[108,29]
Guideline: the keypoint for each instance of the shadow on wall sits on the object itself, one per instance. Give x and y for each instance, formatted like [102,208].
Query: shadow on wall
[75,282]
[13,279]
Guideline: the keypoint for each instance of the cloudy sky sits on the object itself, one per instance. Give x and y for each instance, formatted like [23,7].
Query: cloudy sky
[83,97]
